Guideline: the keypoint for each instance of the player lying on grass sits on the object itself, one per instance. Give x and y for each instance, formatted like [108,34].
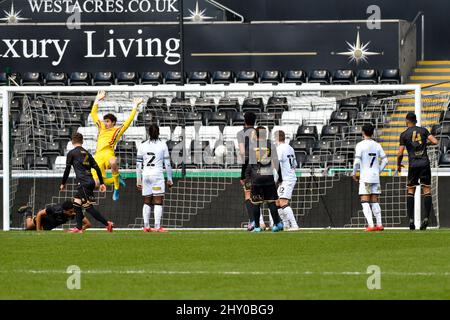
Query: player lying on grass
[108,136]
[83,162]
[415,140]
[51,217]
[367,160]
[152,157]
[259,173]
[288,164]
[243,138]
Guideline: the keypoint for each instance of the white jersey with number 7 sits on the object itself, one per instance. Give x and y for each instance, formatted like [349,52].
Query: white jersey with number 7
[369,154]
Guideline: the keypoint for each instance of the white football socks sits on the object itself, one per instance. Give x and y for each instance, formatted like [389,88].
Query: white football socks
[376,209]
[290,217]
[146,212]
[367,213]
[158,215]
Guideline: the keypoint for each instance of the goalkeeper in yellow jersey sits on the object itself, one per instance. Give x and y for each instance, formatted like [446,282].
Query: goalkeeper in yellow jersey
[108,136]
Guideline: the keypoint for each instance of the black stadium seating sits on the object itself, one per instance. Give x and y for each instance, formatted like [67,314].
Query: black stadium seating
[367,76]
[80,79]
[174,77]
[103,79]
[152,77]
[127,78]
[343,77]
[55,79]
[32,79]
[295,76]
[199,77]
[320,76]
[249,76]
[223,77]
[390,76]
[273,77]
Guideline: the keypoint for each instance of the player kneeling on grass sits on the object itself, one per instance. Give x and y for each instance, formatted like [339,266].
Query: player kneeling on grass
[82,162]
[260,174]
[367,155]
[288,164]
[50,217]
[152,157]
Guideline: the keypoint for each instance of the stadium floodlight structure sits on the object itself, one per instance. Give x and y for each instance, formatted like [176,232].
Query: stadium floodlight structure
[8,92]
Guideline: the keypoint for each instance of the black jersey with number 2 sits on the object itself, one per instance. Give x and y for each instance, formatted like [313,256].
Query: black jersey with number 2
[82,162]
[415,141]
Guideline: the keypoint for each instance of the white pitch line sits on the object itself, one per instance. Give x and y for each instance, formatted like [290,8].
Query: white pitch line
[234,273]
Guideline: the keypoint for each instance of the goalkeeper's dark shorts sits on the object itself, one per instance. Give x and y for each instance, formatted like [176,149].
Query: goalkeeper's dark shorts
[264,193]
[85,192]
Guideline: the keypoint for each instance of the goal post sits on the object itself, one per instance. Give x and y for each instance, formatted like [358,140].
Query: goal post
[7,94]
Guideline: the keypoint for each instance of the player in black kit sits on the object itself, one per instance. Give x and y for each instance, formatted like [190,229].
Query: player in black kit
[415,139]
[259,172]
[51,217]
[82,162]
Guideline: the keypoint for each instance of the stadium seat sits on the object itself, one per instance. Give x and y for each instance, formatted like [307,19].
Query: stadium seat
[352,111]
[345,146]
[173,77]
[135,134]
[353,131]
[249,76]
[89,133]
[295,76]
[339,160]
[266,119]
[302,146]
[307,132]
[103,79]
[55,79]
[32,79]
[156,104]
[320,76]
[273,77]
[170,119]
[204,104]
[223,77]
[331,131]
[18,163]
[60,163]
[255,105]
[390,76]
[339,118]
[366,117]
[314,162]
[277,105]
[41,163]
[292,117]
[237,119]
[127,78]
[210,133]
[193,118]
[444,160]
[228,105]
[80,79]
[343,77]
[152,78]
[301,158]
[180,105]
[13,77]
[218,119]
[323,146]
[367,76]
[199,77]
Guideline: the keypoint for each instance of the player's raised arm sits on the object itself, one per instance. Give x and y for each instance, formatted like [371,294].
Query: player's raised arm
[94,111]
[136,103]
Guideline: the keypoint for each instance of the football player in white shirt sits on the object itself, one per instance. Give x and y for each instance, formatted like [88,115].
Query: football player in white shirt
[367,160]
[152,157]
[288,164]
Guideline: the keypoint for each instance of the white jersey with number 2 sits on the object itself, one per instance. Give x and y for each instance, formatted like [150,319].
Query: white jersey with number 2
[153,155]
[369,152]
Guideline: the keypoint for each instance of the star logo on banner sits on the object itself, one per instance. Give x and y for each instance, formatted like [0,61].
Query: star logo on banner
[12,16]
[197,15]
[358,51]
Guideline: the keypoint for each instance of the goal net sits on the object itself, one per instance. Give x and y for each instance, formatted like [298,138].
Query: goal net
[200,125]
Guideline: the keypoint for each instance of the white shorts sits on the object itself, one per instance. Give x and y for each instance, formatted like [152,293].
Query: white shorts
[366,189]
[153,186]
[285,189]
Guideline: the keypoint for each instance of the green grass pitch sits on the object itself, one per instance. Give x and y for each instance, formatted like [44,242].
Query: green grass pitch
[226,265]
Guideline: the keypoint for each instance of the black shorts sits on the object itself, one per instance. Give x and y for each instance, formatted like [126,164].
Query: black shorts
[46,224]
[422,174]
[85,192]
[261,193]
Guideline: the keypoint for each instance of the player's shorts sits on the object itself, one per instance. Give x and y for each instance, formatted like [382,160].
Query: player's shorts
[85,192]
[416,174]
[102,158]
[366,189]
[285,189]
[46,224]
[262,193]
[153,186]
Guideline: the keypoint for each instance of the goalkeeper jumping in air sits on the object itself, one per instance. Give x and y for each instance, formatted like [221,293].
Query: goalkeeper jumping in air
[108,136]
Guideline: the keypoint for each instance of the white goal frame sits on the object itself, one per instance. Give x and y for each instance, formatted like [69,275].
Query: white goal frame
[6,93]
